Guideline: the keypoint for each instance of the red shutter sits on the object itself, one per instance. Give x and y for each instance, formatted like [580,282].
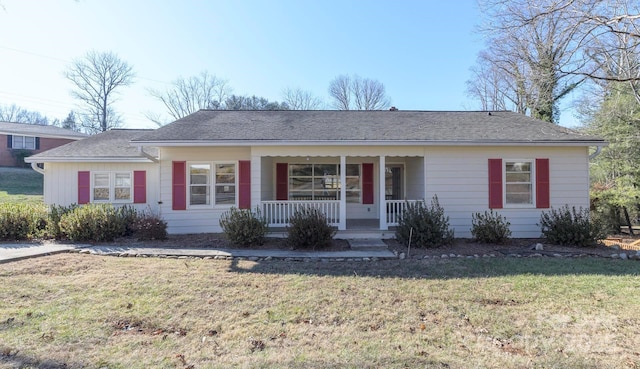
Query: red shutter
[244,181]
[139,187]
[367,183]
[84,187]
[495,183]
[282,181]
[179,184]
[543,196]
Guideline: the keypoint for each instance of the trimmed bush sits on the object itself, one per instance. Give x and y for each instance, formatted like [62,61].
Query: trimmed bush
[490,227]
[568,226]
[309,229]
[430,225]
[149,226]
[22,221]
[53,224]
[243,227]
[95,222]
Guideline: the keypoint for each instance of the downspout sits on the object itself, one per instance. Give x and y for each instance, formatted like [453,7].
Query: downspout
[595,153]
[35,167]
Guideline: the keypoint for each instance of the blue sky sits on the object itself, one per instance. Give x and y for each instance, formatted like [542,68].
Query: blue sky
[420,50]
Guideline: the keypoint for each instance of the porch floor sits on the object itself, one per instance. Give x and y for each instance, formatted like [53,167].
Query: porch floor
[356,229]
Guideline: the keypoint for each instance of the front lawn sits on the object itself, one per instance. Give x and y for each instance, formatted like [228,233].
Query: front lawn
[20,185]
[77,311]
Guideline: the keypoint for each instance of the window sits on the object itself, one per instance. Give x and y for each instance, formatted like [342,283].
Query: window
[322,182]
[112,186]
[518,183]
[208,178]
[23,142]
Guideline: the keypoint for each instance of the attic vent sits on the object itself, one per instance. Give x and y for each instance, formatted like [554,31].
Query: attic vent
[393,108]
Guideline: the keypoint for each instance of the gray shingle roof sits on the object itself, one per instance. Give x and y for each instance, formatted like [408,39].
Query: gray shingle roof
[39,131]
[364,126]
[114,144]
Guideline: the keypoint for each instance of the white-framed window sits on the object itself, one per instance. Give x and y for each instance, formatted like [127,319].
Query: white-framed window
[212,184]
[23,142]
[518,182]
[112,187]
[322,182]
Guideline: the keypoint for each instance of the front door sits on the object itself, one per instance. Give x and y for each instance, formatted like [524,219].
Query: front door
[394,182]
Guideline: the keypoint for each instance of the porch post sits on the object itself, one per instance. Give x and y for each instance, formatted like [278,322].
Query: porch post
[342,225]
[382,199]
[256,182]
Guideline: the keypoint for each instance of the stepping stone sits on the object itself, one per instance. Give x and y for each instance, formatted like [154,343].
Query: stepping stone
[367,243]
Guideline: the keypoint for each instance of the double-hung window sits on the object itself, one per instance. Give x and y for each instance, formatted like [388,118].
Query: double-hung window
[112,187]
[23,142]
[518,182]
[212,184]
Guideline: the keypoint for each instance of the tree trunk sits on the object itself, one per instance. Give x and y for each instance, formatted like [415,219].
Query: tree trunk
[626,217]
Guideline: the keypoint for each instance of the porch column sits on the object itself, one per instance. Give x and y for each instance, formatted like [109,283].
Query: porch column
[256,182]
[342,225]
[382,200]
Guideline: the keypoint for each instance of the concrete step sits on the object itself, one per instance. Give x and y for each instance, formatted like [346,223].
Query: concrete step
[367,244]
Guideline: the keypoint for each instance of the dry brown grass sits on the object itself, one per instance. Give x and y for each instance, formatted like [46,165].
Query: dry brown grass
[72,311]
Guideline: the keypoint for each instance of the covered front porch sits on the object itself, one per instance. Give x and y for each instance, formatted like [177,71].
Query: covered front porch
[357,193]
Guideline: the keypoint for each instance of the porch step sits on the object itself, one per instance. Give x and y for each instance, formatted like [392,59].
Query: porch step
[367,244]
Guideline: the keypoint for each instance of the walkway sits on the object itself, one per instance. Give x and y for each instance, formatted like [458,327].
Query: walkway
[13,252]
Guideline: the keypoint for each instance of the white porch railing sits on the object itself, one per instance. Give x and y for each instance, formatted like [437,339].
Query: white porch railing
[278,213]
[395,208]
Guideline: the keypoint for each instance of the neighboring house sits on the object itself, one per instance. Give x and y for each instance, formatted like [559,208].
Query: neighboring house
[18,140]
[360,167]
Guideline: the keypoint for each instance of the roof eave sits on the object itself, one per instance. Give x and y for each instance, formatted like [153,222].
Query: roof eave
[184,143]
[86,159]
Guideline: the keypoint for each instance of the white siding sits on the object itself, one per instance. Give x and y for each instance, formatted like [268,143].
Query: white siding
[459,177]
[61,181]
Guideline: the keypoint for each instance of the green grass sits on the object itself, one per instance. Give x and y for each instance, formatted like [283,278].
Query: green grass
[77,311]
[20,185]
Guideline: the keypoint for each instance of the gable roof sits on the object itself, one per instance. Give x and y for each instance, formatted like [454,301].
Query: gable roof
[113,145]
[39,130]
[295,127]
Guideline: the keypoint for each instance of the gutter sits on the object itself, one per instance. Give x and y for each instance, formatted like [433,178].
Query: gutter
[595,153]
[34,166]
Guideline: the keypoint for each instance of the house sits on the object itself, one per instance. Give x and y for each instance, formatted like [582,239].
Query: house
[360,168]
[27,139]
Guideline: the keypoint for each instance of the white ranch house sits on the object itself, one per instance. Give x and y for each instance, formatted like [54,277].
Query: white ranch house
[359,167]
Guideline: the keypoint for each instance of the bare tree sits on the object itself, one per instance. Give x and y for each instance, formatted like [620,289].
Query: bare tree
[299,99]
[16,114]
[186,96]
[98,77]
[366,94]
[237,102]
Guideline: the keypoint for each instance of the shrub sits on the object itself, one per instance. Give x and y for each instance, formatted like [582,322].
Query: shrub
[149,226]
[244,227]
[309,229]
[128,215]
[95,222]
[490,227]
[430,225]
[53,223]
[22,221]
[568,226]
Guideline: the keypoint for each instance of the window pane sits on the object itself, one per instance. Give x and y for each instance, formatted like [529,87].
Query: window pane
[29,142]
[353,196]
[328,182]
[298,184]
[199,195]
[353,170]
[325,170]
[17,142]
[101,180]
[518,177]
[301,195]
[199,173]
[518,166]
[225,195]
[518,194]
[325,195]
[123,180]
[123,193]
[353,183]
[101,194]
[225,179]
[300,170]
